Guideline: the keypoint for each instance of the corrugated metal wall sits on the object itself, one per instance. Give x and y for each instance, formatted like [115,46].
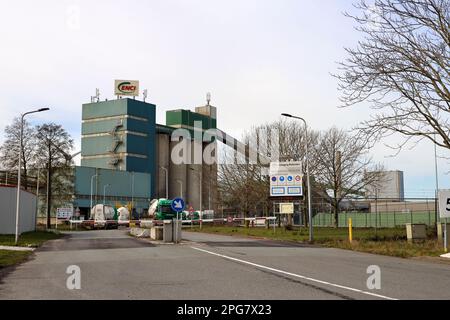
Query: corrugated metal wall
[27,215]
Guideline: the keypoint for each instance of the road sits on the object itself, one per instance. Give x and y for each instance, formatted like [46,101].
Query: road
[204,266]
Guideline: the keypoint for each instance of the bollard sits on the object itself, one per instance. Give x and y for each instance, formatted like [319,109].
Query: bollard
[350,231]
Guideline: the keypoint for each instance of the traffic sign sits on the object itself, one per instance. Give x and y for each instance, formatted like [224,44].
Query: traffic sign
[230,219]
[177,204]
[444,203]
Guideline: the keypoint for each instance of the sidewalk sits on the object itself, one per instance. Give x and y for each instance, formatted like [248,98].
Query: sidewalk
[13,248]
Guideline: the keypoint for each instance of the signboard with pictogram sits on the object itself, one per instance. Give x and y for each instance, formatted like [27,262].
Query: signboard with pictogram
[286,179]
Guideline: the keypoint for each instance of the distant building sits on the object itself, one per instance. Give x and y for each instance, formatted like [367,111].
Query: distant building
[390,185]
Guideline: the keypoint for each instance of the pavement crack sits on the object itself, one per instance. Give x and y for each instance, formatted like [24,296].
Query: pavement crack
[309,285]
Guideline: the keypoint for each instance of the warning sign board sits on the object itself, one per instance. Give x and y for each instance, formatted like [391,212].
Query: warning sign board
[286,179]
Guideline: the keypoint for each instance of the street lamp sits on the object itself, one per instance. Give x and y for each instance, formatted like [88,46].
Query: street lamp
[307,174]
[104,192]
[167,180]
[201,183]
[19,169]
[92,181]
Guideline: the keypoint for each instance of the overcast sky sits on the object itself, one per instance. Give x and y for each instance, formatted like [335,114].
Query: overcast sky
[257,58]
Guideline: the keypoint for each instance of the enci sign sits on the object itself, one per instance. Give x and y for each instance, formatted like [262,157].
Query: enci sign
[126,88]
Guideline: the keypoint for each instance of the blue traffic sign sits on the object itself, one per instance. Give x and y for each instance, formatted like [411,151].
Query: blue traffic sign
[290,178]
[281,178]
[177,204]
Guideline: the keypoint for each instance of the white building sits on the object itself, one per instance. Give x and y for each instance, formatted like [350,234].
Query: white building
[27,214]
[389,186]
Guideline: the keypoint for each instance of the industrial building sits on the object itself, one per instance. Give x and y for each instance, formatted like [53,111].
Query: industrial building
[390,185]
[126,156]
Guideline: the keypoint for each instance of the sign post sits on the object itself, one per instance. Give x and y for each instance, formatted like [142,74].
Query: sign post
[191,215]
[65,213]
[178,206]
[444,211]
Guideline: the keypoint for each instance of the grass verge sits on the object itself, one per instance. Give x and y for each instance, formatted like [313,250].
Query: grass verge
[10,258]
[29,239]
[386,241]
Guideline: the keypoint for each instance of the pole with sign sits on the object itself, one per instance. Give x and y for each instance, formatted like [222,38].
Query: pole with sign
[178,206]
[444,211]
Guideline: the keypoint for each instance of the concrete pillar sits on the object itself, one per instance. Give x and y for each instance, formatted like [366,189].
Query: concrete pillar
[194,171]
[163,160]
[210,185]
[177,172]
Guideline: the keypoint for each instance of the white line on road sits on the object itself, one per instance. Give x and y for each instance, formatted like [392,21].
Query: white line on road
[296,275]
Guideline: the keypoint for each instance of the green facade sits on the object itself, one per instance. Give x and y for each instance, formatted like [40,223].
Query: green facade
[118,138]
[186,118]
[131,123]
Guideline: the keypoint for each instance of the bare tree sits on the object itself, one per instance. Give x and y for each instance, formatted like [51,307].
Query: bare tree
[54,144]
[402,69]
[244,185]
[10,149]
[241,183]
[343,167]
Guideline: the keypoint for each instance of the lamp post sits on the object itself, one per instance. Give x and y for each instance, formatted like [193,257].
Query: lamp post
[307,174]
[104,192]
[92,181]
[167,180]
[37,199]
[437,185]
[132,192]
[19,169]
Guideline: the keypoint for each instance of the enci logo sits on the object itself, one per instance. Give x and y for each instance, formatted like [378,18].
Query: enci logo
[126,87]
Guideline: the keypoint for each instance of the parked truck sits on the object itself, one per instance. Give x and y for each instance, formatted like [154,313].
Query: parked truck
[102,216]
[161,209]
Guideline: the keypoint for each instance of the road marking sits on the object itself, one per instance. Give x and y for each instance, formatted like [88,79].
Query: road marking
[296,275]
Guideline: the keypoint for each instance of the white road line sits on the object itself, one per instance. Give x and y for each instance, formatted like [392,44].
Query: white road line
[296,275]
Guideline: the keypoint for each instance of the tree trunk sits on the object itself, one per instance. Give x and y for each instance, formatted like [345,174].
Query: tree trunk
[336,214]
[25,178]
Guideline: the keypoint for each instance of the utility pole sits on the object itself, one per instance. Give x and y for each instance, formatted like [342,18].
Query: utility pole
[49,188]
[437,185]
[19,173]
[311,237]
[37,198]
[338,186]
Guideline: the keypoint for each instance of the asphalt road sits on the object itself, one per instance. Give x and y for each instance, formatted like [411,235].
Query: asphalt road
[115,266]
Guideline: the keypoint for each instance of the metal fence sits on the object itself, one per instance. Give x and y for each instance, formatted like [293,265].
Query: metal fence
[383,213]
[374,220]
[365,213]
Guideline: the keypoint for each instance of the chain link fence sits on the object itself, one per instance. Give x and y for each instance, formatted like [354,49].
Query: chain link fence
[378,213]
